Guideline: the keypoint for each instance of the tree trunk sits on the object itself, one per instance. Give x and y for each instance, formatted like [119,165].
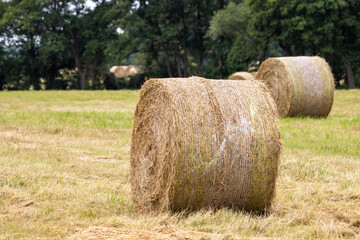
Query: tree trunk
[82,76]
[178,61]
[350,76]
[82,80]
[286,49]
[80,71]
[95,73]
[184,39]
[155,56]
[198,72]
[35,80]
[220,59]
[2,81]
[77,56]
[185,61]
[200,41]
[95,83]
[302,50]
[50,81]
[35,76]
[262,55]
[99,81]
[167,60]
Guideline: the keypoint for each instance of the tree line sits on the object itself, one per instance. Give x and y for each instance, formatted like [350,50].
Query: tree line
[70,44]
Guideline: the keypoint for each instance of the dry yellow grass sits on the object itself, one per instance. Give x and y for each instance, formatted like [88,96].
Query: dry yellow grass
[67,172]
[162,233]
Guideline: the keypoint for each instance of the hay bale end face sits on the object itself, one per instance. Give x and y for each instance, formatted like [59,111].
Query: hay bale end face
[241,76]
[113,68]
[131,70]
[124,71]
[120,71]
[201,143]
[300,86]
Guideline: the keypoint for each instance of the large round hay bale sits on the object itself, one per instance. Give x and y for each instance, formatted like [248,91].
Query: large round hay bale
[300,86]
[241,76]
[201,143]
[253,74]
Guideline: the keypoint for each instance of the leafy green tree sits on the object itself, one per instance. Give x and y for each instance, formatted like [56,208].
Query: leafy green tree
[69,20]
[54,55]
[99,34]
[328,28]
[232,24]
[32,50]
[43,36]
[170,36]
[21,27]
[2,50]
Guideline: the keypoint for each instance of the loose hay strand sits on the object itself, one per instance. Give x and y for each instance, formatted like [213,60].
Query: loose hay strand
[300,86]
[199,143]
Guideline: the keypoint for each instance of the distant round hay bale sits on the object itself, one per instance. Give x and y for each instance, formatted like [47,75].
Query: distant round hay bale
[131,70]
[113,68]
[253,74]
[241,76]
[120,71]
[300,86]
[201,143]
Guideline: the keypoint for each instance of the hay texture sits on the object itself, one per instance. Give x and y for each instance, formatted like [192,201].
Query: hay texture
[131,70]
[201,143]
[124,71]
[241,76]
[120,71]
[300,86]
[254,74]
[113,68]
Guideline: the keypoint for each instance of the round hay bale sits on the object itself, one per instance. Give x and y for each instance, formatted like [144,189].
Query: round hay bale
[254,74]
[300,86]
[120,71]
[113,68]
[131,70]
[201,143]
[241,76]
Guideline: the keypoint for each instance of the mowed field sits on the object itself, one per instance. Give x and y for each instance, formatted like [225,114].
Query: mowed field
[64,171]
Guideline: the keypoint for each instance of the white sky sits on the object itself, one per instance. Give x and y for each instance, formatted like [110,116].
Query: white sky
[91,4]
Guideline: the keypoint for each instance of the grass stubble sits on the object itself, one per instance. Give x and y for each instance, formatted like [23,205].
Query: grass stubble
[64,169]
